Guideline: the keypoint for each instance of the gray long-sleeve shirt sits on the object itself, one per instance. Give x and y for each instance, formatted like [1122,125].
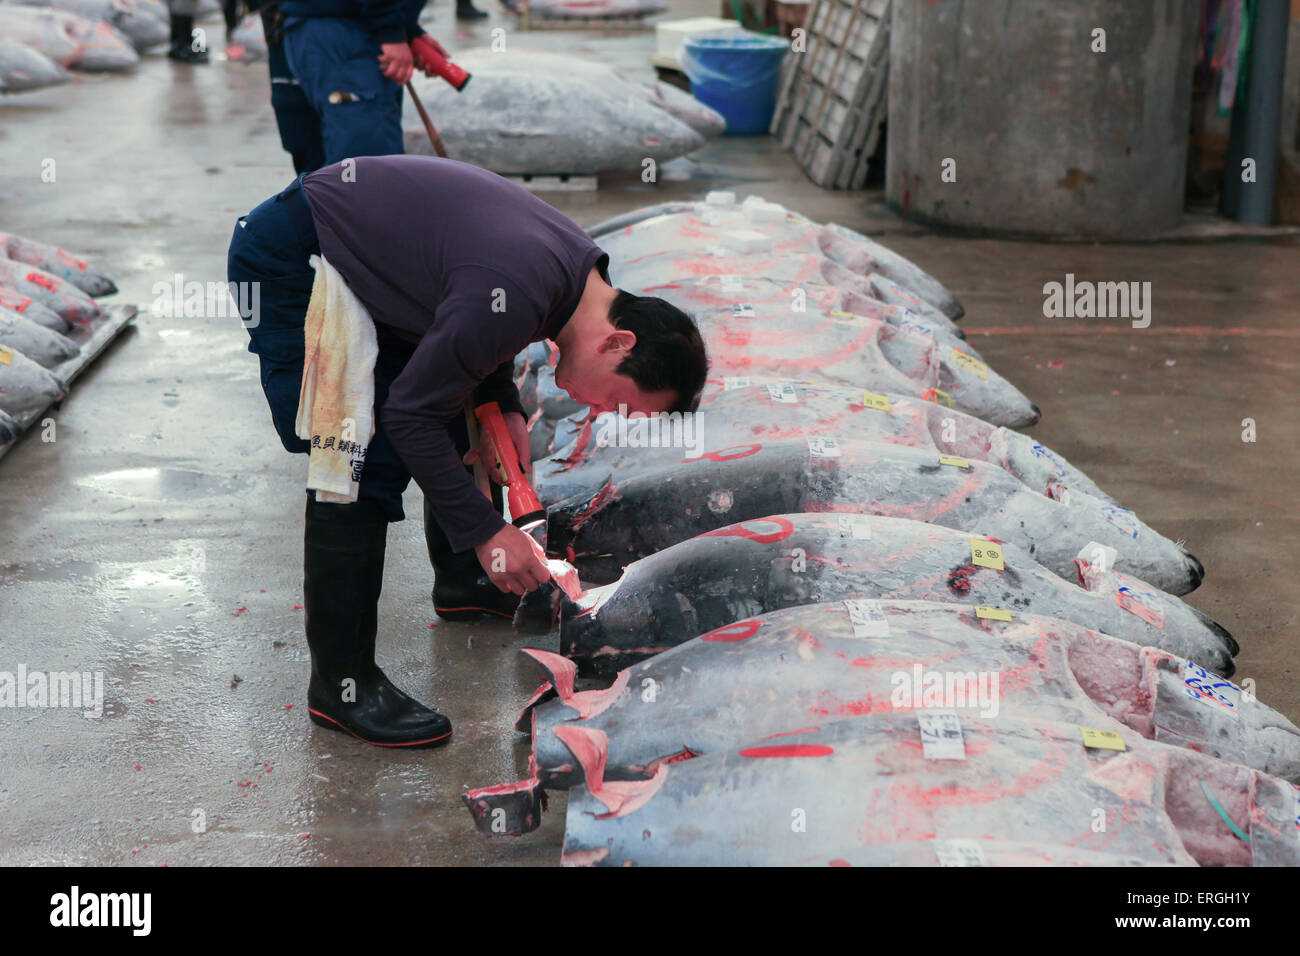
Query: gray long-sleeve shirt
[472,268]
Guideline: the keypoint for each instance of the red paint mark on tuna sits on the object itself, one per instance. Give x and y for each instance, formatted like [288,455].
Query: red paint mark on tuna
[959,578]
[838,863]
[723,455]
[43,280]
[740,631]
[788,750]
[741,530]
[792,733]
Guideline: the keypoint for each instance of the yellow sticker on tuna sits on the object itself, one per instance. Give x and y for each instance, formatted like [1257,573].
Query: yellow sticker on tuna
[954,461]
[938,396]
[6,355]
[992,613]
[841,313]
[971,362]
[986,554]
[1096,739]
[873,400]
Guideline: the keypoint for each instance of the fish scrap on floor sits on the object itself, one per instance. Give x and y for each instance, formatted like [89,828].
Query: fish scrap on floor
[852,790]
[653,509]
[785,560]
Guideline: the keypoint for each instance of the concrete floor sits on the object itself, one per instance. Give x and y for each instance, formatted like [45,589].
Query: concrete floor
[158,539]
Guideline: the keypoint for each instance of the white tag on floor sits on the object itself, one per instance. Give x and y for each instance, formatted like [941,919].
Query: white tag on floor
[941,735]
[868,618]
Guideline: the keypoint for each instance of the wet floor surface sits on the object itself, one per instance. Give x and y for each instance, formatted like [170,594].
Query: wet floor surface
[157,539]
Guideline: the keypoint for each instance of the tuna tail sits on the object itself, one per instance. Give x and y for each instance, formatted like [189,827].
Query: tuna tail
[508,809]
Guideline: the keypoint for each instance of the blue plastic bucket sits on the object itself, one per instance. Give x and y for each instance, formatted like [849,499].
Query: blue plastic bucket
[737,76]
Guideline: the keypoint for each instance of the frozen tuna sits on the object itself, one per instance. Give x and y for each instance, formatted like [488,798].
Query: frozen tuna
[29,308]
[613,447]
[654,509]
[788,560]
[585,9]
[49,290]
[9,428]
[805,665]
[138,22]
[520,123]
[57,263]
[757,225]
[811,275]
[43,346]
[25,387]
[864,784]
[678,103]
[71,41]
[23,69]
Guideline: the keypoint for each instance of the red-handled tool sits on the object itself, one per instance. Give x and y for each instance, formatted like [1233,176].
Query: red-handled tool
[433,59]
[497,452]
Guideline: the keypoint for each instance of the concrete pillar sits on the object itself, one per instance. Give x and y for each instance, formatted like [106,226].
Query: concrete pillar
[1045,135]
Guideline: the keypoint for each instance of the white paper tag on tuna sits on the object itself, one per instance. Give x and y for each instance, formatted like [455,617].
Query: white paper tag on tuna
[1100,556]
[960,853]
[731,283]
[823,447]
[868,618]
[784,393]
[855,526]
[941,735]
[742,310]
[1211,688]
[731,383]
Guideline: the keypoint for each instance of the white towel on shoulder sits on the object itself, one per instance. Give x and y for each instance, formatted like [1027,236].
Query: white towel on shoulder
[336,407]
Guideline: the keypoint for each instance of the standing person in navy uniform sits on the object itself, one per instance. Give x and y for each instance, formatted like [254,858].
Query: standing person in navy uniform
[337,72]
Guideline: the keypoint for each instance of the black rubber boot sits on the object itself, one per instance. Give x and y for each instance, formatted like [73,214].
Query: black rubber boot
[461,589]
[343,575]
[182,45]
[465,10]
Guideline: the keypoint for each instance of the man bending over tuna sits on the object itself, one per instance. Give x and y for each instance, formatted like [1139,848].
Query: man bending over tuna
[459,269]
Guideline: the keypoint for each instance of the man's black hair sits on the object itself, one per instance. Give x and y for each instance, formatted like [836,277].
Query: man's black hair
[669,353]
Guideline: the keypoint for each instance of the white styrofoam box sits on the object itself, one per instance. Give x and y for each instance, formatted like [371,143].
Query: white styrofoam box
[671,34]
[720,197]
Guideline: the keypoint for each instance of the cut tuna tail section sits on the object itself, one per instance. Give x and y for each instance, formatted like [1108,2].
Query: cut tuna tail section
[620,797]
[562,671]
[508,809]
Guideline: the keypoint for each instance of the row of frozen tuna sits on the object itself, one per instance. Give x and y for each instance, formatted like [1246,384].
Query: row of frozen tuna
[529,112]
[849,621]
[45,294]
[40,39]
